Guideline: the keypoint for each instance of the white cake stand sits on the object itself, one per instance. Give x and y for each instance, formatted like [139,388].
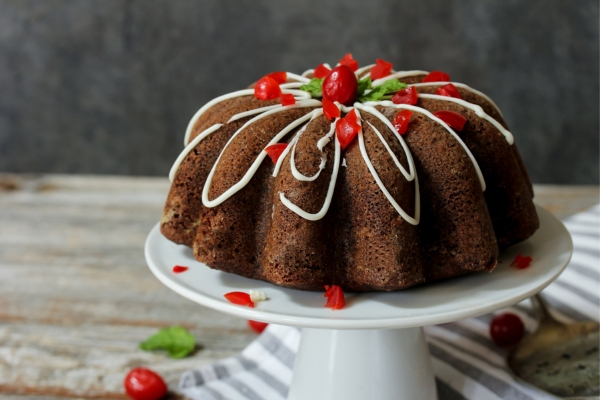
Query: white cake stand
[374,348]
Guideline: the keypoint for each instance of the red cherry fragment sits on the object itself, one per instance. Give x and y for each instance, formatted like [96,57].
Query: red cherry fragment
[448,90]
[321,71]
[401,121]
[406,96]
[239,298]
[507,330]
[347,128]
[330,110]
[335,297]
[453,119]
[274,151]
[144,384]
[341,85]
[436,76]
[381,69]
[279,76]
[350,62]
[288,99]
[267,88]
[179,269]
[257,326]
[521,262]
[352,118]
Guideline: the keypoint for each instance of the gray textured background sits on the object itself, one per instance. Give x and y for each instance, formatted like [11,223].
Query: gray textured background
[109,86]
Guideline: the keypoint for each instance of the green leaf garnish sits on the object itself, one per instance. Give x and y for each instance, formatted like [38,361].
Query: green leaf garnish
[314,87]
[383,91]
[177,341]
[364,84]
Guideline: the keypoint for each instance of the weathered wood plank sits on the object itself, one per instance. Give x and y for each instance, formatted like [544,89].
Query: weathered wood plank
[76,296]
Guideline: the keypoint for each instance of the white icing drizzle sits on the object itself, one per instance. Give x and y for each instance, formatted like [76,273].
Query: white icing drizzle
[397,75]
[359,71]
[254,167]
[477,109]
[298,78]
[344,162]
[189,148]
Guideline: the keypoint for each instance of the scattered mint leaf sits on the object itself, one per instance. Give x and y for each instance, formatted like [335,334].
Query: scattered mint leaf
[177,341]
[364,84]
[383,91]
[314,87]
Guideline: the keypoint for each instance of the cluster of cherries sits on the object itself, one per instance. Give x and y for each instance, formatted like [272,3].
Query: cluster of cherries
[340,85]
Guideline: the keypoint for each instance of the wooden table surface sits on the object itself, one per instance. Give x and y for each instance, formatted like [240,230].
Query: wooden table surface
[76,296]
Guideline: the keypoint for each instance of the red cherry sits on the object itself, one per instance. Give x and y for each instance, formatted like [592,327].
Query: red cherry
[144,384]
[406,96]
[335,297]
[453,119]
[381,69]
[401,121]
[507,329]
[288,99]
[267,88]
[179,269]
[341,85]
[330,110]
[347,128]
[448,90]
[274,151]
[521,262]
[321,71]
[240,298]
[352,118]
[436,76]
[257,326]
[279,77]
[350,62]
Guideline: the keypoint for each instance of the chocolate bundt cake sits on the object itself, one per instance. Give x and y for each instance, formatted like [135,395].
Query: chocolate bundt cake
[365,178]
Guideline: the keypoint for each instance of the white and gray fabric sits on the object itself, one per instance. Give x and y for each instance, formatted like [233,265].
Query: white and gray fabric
[466,362]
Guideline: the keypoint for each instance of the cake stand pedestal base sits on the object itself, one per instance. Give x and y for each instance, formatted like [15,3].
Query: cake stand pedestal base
[382,364]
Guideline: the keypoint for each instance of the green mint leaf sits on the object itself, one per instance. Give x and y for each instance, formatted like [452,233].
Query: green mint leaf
[364,84]
[383,91]
[314,87]
[177,341]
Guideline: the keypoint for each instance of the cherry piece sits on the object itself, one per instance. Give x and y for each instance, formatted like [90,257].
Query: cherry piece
[350,62]
[506,329]
[448,90]
[453,119]
[274,151]
[521,262]
[346,128]
[401,120]
[330,110]
[279,76]
[352,118]
[321,71]
[267,88]
[144,384]
[257,326]
[341,85]
[288,99]
[335,297]
[239,298]
[381,69]
[406,96]
[436,76]
[179,269]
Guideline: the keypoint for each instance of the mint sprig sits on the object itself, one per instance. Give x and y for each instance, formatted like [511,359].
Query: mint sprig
[364,85]
[314,87]
[383,91]
[175,340]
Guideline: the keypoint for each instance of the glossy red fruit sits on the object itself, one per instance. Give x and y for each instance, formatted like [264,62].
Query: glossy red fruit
[288,99]
[341,85]
[179,269]
[330,110]
[453,119]
[144,384]
[507,329]
[321,71]
[279,76]
[257,326]
[448,90]
[381,69]
[274,151]
[521,262]
[401,121]
[350,62]
[436,76]
[240,298]
[406,96]
[352,118]
[346,129]
[267,88]
[335,297]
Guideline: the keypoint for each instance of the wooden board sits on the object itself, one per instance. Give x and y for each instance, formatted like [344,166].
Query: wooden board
[76,297]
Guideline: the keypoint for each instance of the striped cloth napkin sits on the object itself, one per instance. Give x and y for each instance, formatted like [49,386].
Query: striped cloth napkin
[466,362]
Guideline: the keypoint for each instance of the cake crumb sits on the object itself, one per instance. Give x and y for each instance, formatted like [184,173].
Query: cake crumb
[257,295]
[344,162]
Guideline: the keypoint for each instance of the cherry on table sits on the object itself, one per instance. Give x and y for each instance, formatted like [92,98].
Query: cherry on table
[507,329]
[257,326]
[144,384]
